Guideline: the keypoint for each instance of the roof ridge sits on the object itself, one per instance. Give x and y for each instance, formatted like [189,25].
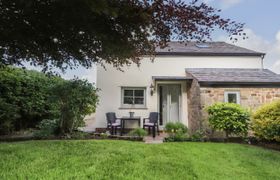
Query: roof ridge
[216,48]
[233,68]
[242,47]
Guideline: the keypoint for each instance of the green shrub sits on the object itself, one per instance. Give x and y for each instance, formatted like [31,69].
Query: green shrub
[47,128]
[104,135]
[229,117]
[139,132]
[197,136]
[266,121]
[176,131]
[24,98]
[28,97]
[174,127]
[79,135]
[177,137]
[7,117]
[75,99]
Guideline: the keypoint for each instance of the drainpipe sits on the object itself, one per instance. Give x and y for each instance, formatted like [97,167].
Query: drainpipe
[262,56]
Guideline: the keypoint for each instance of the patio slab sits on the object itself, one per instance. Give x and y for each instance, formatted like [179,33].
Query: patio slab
[157,140]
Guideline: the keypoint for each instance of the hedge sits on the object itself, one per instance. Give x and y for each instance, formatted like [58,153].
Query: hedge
[266,121]
[27,97]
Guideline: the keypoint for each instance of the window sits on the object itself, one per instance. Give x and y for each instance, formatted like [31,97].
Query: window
[232,97]
[133,97]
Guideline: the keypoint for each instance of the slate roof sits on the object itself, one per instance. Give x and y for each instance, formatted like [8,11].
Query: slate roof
[206,49]
[220,75]
[171,78]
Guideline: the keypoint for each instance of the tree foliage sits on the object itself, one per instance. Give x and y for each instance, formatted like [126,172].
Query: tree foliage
[47,128]
[229,117]
[266,121]
[67,33]
[24,98]
[75,99]
[28,97]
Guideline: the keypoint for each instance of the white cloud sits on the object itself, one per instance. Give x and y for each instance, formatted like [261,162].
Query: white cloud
[276,51]
[278,41]
[276,66]
[82,73]
[258,43]
[223,4]
[90,75]
[278,36]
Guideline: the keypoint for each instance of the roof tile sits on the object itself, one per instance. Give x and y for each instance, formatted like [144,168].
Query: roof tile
[233,75]
[207,48]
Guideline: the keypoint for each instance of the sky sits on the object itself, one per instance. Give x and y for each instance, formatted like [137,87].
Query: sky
[262,26]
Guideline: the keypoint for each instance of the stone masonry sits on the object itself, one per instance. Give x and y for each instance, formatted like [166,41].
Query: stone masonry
[194,107]
[250,98]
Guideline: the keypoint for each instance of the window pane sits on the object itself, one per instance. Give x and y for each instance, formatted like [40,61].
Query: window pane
[232,98]
[128,100]
[139,100]
[139,93]
[128,92]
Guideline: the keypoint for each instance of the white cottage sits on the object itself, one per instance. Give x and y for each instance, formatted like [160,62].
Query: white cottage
[182,80]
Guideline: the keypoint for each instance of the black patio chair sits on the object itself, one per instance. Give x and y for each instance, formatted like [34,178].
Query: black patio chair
[112,122]
[152,123]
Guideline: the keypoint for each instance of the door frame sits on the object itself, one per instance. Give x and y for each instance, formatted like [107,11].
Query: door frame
[158,99]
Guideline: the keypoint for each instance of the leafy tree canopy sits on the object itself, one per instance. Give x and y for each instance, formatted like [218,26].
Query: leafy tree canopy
[67,33]
[29,97]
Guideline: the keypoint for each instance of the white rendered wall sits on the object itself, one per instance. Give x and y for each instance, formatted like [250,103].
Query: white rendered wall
[110,81]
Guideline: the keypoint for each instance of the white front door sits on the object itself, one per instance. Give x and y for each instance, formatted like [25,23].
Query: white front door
[169,103]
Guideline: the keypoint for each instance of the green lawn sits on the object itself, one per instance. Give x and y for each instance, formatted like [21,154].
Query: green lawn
[104,159]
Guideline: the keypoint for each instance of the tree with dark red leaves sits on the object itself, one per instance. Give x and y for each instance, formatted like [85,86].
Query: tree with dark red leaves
[67,33]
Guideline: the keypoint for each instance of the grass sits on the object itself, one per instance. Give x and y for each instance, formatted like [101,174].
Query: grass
[105,159]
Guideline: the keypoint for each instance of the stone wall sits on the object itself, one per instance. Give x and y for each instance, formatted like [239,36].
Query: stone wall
[251,98]
[194,106]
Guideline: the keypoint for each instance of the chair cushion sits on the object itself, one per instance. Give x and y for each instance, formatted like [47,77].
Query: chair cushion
[116,124]
[149,124]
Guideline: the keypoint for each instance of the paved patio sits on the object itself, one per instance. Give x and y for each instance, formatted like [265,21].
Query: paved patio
[157,140]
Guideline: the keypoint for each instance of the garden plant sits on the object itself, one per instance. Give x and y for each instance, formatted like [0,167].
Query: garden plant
[30,99]
[266,122]
[230,118]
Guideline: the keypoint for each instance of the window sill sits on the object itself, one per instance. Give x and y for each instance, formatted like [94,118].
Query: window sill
[135,108]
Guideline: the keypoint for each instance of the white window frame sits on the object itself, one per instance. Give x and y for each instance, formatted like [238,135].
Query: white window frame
[135,106]
[232,92]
